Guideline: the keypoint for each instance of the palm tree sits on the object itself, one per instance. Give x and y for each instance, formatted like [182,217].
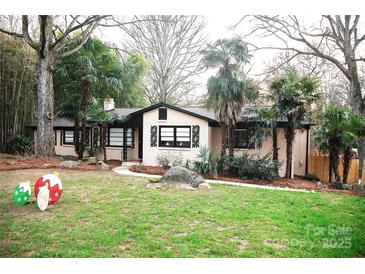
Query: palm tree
[338,132]
[229,90]
[293,96]
[270,118]
[103,118]
[70,110]
[94,69]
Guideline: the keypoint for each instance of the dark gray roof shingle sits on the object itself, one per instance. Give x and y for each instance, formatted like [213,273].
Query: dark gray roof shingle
[57,122]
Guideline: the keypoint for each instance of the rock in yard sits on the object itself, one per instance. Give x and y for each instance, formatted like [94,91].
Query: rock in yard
[180,175]
[69,164]
[319,185]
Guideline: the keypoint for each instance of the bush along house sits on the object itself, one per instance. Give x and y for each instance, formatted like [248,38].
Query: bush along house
[150,133]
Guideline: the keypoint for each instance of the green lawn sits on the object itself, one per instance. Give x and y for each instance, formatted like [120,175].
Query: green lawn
[101,214]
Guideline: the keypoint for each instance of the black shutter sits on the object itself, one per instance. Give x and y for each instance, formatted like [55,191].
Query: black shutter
[153,136]
[196,136]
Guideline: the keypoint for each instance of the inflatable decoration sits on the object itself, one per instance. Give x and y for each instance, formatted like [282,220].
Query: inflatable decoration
[54,185]
[43,197]
[22,193]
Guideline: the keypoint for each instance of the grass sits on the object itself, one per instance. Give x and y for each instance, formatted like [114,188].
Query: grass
[101,214]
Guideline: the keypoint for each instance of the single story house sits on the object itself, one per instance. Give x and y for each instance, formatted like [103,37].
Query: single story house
[162,129]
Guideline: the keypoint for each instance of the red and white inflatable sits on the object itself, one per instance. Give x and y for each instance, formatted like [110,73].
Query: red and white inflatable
[53,182]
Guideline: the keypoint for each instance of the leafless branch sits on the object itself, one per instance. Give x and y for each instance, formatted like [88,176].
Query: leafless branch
[334,39]
[172,45]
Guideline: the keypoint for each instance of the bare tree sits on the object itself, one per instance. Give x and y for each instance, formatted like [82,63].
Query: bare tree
[335,39]
[172,45]
[333,85]
[55,37]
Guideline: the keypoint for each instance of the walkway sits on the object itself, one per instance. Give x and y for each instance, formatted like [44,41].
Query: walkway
[124,170]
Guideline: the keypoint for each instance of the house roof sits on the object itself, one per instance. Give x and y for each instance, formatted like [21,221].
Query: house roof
[125,111]
[201,111]
[197,112]
[248,114]
[57,123]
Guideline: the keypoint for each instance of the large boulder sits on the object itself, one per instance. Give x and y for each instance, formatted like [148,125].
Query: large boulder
[178,175]
[69,164]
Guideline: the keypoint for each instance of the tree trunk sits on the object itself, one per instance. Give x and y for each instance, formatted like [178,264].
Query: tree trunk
[330,169]
[86,85]
[275,149]
[361,154]
[334,158]
[346,164]
[224,141]
[358,105]
[357,101]
[45,138]
[289,136]
[103,140]
[335,168]
[334,161]
[77,135]
[231,140]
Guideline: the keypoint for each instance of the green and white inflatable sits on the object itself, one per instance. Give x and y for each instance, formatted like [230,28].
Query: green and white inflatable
[22,193]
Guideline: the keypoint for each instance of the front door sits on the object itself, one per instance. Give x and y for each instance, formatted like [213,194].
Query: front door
[140,143]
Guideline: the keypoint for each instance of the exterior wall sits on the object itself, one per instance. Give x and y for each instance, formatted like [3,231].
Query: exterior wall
[64,150]
[112,153]
[215,138]
[209,136]
[299,149]
[134,152]
[174,118]
[115,153]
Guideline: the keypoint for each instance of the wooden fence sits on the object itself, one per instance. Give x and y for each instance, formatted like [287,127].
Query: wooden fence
[319,165]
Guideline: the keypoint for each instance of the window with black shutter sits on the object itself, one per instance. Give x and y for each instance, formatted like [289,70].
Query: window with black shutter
[162,114]
[175,136]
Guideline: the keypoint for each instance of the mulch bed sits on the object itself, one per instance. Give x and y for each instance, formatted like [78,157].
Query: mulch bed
[12,162]
[296,183]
